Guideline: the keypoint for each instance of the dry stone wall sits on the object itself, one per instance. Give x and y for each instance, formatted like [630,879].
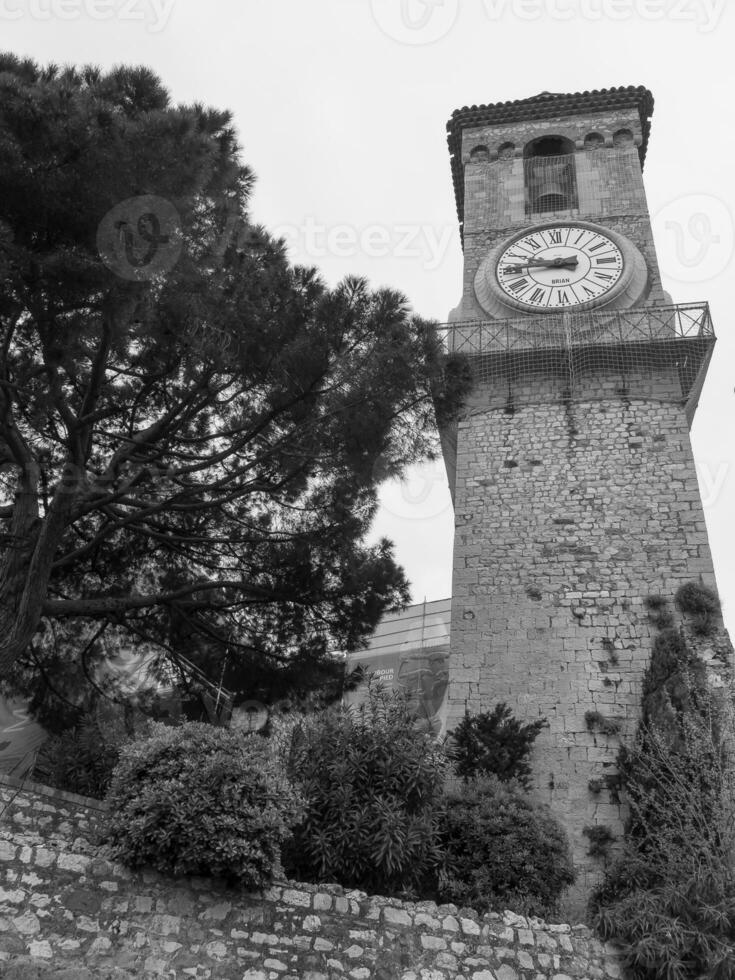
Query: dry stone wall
[68,912]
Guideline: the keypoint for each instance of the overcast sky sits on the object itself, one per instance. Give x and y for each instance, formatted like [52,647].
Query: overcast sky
[341,108]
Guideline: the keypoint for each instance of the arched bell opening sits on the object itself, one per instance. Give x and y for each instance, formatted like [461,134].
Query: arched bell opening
[550,177]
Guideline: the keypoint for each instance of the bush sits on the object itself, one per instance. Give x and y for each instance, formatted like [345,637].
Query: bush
[494,743]
[502,850]
[82,759]
[372,784]
[701,603]
[674,684]
[600,837]
[606,726]
[669,898]
[200,800]
[696,600]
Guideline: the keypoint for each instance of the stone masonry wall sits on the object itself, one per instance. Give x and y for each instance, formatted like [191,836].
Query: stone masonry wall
[567,516]
[68,912]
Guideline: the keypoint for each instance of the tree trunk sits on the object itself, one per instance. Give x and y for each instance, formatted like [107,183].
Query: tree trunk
[25,568]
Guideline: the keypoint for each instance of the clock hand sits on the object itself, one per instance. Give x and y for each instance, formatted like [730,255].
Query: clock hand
[560,263]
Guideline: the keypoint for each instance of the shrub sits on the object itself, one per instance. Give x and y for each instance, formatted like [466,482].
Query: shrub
[502,850]
[372,784]
[201,800]
[695,599]
[82,759]
[675,683]
[600,837]
[654,601]
[669,898]
[494,743]
[606,726]
[701,603]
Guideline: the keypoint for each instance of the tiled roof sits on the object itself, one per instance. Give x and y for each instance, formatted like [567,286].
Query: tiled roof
[543,106]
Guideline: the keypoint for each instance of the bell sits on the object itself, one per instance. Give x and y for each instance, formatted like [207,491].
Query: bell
[549,181]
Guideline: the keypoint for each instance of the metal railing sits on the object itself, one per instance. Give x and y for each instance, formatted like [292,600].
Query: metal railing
[539,331]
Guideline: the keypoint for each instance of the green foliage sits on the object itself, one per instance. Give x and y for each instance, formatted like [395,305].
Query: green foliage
[600,837]
[372,784]
[205,429]
[674,683]
[654,601]
[82,759]
[502,850]
[664,620]
[596,720]
[669,897]
[494,743]
[701,604]
[201,800]
[695,599]
[658,611]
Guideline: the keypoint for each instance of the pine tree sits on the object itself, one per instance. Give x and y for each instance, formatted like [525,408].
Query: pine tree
[192,430]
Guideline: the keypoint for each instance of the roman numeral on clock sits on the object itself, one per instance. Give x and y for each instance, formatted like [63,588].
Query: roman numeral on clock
[518,285]
[536,295]
[555,237]
[532,243]
[604,275]
[561,297]
[593,248]
[604,261]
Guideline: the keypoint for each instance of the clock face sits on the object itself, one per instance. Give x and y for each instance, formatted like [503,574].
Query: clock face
[557,266]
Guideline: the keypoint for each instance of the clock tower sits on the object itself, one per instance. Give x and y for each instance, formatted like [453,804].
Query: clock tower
[570,465]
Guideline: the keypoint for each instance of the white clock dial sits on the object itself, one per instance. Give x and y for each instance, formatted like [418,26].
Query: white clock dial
[558,266]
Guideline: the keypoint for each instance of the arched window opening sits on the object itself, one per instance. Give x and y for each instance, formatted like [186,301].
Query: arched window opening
[623,137]
[550,178]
